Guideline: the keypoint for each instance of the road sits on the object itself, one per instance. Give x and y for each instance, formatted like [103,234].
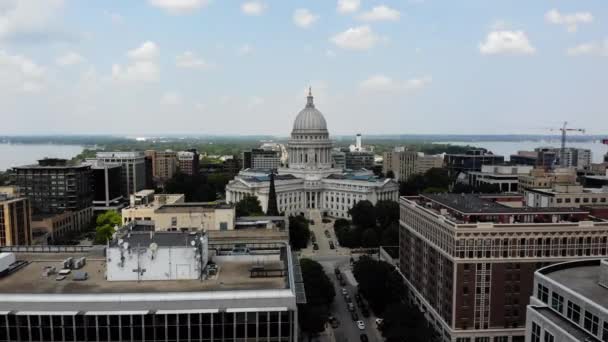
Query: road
[340,258]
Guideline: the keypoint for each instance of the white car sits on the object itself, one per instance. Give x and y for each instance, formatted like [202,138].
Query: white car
[344,292]
[379,321]
[361,325]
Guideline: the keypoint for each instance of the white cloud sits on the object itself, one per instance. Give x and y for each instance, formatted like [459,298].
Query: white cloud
[179,6]
[507,42]
[171,98]
[30,20]
[302,17]
[348,6]
[570,20]
[19,72]
[590,49]
[147,50]
[383,83]
[70,58]
[189,60]
[380,13]
[245,49]
[356,38]
[143,66]
[253,8]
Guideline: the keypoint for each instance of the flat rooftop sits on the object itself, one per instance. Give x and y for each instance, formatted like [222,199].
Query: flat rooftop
[232,275]
[180,207]
[167,239]
[581,277]
[471,204]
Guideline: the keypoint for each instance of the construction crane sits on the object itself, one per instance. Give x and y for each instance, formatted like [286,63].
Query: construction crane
[564,129]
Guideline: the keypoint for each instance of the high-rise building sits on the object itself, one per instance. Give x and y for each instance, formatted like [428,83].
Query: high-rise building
[153,287]
[54,186]
[569,303]
[404,164]
[133,177]
[472,160]
[164,164]
[469,261]
[106,187]
[575,157]
[15,221]
[188,162]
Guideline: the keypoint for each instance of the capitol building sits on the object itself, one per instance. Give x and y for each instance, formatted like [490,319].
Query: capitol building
[310,184]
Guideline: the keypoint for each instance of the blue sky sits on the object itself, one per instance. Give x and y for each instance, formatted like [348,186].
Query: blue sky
[241,67]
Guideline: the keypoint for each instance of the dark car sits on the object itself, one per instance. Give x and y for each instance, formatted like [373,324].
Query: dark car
[358,297]
[354,316]
[365,311]
[336,271]
[363,338]
[334,322]
[313,238]
[327,233]
[342,281]
[331,245]
[312,222]
[315,246]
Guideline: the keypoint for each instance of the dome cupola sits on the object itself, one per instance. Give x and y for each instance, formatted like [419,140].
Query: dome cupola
[310,119]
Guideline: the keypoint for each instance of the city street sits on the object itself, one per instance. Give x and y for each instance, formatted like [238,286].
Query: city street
[340,258]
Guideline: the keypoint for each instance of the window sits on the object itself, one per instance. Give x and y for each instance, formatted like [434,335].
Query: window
[573,312]
[543,293]
[605,332]
[535,334]
[548,337]
[557,302]
[591,322]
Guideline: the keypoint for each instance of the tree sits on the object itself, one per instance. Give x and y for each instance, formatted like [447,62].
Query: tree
[404,322]
[249,206]
[363,214]
[105,224]
[379,282]
[390,174]
[320,294]
[390,236]
[272,208]
[369,238]
[299,232]
[387,212]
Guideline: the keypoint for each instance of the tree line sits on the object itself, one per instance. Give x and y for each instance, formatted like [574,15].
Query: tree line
[371,226]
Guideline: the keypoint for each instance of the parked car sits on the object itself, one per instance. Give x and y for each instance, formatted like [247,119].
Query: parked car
[313,238]
[331,245]
[379,322]
[354,316]
[347,298]
[339,276]
[312,222]
[365,311]
[342,281]
[358,297]
[334,322]
[326,220]
[363,338]
[315,246]
[361,325]
[351,307]
[327,233]
[336,271]
[344,291]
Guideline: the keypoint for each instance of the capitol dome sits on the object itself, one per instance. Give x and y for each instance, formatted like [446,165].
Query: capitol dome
[310,118]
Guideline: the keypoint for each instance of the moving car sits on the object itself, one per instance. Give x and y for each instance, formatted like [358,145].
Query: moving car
[336,271]
[363,338]
[315,246]
[361,325]
[379,322]
[331,245]
[327,233]
[334,322]
[351,307]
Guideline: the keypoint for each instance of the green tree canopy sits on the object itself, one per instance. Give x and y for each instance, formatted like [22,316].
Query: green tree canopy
[379,282]
[105,224]
[369,238]
[299,232]
[404,322]
[249,206]
[363,214]
[320,294]
[387,212]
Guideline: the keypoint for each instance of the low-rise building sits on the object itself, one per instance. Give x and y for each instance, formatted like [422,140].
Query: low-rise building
[504,178]
[569,303]
[188,162]
[566,196]
[259,158]
[51,227]
[540,178]
[542,157]
[164,164]
[169,213]
[404,163]
[15,220]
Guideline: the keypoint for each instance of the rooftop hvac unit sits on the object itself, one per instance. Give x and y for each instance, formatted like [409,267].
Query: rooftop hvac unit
[79,263]
[80,276]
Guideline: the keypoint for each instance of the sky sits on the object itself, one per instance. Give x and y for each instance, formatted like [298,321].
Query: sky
[149,67]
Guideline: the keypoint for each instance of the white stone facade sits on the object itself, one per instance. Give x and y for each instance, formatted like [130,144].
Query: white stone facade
[309,183]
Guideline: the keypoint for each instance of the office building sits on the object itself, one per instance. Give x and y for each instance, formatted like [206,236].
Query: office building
[540,178]
[469,261]
[15,220]
[133,172]
[542,157]
[575,157]
[502,178]
[338,159]
[472,160]
[357,160]
[153,287]
[261,159]
[106,186]
[54,186]
[50,228]
[569,303]
[188,162]
[404,163]
[566,196]
[311,185]
[164,164]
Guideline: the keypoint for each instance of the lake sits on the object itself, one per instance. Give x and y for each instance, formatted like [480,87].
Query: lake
[507,148]
[23,154]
